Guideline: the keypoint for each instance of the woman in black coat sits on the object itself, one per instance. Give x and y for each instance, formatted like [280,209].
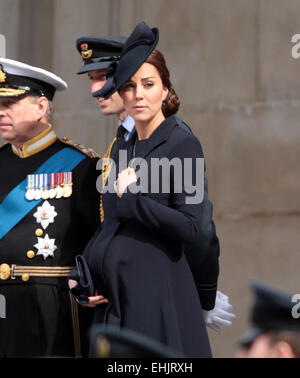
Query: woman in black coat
[136,260]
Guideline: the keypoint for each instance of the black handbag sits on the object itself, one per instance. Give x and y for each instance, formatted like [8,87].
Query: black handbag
[85,286]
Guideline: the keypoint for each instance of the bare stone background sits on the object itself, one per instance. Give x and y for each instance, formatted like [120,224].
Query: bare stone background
[231,64]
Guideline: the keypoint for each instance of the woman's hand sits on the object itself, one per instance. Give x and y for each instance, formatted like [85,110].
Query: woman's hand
[94,300]
[125,178]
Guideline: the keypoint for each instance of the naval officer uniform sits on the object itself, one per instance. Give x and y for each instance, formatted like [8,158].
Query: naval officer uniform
[49,209]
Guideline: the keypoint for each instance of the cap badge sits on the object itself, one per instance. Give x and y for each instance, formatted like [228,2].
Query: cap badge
[2,75]
[85,53]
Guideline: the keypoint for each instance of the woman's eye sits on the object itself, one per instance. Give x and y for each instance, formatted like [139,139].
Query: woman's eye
[149,84]
[127,86]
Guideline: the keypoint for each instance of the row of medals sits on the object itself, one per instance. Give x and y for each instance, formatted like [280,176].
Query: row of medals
[59,191]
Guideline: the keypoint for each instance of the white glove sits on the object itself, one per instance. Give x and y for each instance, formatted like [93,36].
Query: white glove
[221,314]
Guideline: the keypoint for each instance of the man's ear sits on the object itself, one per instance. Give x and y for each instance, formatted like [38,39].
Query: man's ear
[42,107]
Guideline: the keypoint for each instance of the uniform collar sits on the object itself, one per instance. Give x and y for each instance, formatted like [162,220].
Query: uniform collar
[36,144]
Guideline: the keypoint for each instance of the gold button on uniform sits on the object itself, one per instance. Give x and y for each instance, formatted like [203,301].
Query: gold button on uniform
[39,232]
[25,277]
[30,254]
[4,272]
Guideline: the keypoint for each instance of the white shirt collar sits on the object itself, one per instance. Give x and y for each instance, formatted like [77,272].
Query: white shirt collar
[128,123]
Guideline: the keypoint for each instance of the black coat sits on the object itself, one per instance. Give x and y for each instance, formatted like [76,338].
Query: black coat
[137,260]
[38,313]
[203,253]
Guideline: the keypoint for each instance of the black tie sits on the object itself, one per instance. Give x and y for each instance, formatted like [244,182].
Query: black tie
[120,135]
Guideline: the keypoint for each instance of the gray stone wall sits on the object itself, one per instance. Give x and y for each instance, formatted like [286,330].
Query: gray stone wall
[231,64]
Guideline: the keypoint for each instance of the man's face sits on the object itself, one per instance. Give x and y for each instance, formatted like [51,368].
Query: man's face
[18,119]
[114,104]
[264,347]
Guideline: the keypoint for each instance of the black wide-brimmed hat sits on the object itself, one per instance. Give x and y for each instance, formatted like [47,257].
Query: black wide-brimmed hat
[138,47]
[271,311]
[99,52]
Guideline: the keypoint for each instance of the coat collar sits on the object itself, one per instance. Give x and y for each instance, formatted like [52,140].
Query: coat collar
[36,144]
[159,136]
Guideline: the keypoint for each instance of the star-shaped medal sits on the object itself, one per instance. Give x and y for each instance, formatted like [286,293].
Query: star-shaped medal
[45,247]
[45,214]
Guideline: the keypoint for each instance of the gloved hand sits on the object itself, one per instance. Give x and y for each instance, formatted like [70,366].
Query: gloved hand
[221,314]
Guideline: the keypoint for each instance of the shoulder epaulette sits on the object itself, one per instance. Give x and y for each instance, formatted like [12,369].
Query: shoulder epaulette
[87,151]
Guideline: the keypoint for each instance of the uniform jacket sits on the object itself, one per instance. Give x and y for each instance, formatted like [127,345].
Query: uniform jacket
[38,320]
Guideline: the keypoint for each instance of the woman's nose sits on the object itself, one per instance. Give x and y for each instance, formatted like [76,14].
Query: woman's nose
[139,93]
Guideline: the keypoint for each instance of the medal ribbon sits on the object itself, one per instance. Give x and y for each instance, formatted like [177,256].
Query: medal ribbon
[15,206]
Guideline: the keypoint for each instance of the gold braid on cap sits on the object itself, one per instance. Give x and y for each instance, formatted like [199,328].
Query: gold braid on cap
[2,75]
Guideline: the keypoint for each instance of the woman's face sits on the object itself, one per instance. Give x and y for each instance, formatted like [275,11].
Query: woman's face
[143,94]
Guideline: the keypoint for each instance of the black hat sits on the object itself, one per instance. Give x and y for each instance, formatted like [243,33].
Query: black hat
[17,79]
[138,47]
[271,311]
[114,342]
[99,52]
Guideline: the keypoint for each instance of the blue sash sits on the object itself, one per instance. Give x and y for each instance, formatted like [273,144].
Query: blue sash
[15,206]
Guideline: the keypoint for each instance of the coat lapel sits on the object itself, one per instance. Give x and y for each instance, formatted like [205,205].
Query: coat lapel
[159,136]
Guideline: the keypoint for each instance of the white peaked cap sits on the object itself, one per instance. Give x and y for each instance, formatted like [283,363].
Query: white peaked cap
[16,76]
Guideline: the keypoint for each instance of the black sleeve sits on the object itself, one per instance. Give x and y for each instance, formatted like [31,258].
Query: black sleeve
[182,220]
[203,256]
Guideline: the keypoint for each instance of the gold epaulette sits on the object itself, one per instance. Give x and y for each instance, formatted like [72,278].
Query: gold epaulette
[105,173]
[87,151]
[106,168]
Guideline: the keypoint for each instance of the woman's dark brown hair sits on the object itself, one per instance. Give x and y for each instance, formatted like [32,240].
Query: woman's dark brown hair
[171,104]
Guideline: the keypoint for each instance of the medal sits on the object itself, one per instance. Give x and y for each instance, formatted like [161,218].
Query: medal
[38,186]
[45,247]
[67,191]
[52,191]
[59,192]
[45,214]
[45,192]
[29,195]
[68,184]
[59,189]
